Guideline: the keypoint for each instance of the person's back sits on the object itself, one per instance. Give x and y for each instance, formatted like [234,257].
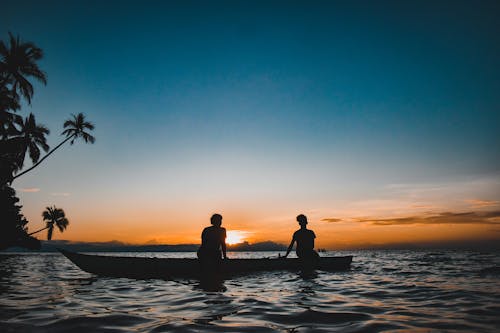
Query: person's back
[305,241]
[213,240]
[212,237]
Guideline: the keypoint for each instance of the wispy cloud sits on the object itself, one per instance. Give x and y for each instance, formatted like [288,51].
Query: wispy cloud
[480,186]
[422,206]
[30,189]
[492,217]
[477,203]
[332,219]
[60,194]
[439,218]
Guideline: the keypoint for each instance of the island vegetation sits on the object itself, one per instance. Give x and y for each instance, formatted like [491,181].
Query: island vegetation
[118,246]
[23,138]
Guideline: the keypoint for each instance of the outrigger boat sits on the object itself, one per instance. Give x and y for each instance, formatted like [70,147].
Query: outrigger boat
[165,268]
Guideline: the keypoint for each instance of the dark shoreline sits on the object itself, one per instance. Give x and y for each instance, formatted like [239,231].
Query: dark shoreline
[116,246]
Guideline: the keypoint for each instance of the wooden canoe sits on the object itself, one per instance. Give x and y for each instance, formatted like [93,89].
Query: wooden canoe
[164,268]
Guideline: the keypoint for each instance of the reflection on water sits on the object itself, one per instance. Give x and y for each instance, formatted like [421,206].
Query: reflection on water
[384,291]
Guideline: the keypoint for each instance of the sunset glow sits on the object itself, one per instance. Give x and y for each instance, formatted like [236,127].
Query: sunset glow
[235,237]
[338,114]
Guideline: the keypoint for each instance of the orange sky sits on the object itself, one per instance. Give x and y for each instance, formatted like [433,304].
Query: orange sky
[174,225]
[380,126]
[400,213]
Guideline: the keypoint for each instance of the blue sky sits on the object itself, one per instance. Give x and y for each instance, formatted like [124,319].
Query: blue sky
[216,105]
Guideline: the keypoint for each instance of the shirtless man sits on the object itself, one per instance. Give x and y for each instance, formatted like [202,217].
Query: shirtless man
[305,240]
[213,240]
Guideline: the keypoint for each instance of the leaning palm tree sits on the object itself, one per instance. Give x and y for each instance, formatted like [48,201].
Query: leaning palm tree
[17,63]
[53,216]
[75,128]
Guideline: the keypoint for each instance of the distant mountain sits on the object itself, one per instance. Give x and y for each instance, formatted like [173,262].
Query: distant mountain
[262,246]
[117,246]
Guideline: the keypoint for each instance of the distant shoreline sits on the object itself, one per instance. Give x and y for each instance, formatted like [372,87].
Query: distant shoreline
[116,246]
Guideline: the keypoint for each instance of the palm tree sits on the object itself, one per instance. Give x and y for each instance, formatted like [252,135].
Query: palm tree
[31,138]
[8,100]
[53,215]
[74,128]
[17,63]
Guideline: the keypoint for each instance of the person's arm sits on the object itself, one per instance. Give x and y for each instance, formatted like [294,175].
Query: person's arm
[223,245]
[202,238]
[290,247]
[224,250]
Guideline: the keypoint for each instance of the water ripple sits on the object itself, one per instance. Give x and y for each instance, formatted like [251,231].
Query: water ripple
[396,291]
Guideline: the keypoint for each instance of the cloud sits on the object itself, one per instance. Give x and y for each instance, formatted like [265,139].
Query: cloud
[482,203]
[60,194]
[332,219]
[449,192]
[30,190]
[492,217]
[438,218]
[422,206]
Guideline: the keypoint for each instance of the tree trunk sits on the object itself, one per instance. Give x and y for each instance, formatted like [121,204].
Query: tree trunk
[37,163]
[34,232]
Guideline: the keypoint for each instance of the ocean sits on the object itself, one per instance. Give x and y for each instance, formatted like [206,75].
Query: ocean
[384,291]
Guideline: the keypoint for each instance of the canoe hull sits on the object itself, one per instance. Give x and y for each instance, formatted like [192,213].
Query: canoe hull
[165,268]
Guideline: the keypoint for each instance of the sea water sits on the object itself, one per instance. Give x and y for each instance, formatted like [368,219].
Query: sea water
[396,291]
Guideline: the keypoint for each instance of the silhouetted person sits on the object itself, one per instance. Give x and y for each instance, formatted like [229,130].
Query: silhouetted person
[305,241]
[213,240]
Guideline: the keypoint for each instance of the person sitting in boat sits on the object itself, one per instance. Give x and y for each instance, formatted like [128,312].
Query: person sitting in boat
[305,241]
[213,240]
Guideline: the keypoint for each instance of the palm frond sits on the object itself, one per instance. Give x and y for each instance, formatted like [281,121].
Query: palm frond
[19,62]
[76,127]
[53,215]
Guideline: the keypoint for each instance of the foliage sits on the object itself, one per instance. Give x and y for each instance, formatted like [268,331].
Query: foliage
[19,61]
[24,137]
[54,216]
[14,229]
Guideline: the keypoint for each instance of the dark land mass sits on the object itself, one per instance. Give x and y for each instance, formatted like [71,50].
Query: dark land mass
[116,246]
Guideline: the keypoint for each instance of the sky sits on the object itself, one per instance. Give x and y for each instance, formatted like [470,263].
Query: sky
[378,120]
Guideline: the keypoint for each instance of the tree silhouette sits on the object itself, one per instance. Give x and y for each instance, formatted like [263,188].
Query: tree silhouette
[18,62]
[30,139]
[75,128]
[53,216]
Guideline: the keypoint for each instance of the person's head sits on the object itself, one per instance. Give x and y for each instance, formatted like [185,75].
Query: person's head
[302,219]
[216,220]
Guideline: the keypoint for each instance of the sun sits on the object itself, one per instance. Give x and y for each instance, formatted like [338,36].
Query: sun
[235,237]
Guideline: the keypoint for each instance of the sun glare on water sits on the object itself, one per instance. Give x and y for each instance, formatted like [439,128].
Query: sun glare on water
[235,237]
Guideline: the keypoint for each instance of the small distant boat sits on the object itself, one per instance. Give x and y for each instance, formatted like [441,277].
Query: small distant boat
[164,268]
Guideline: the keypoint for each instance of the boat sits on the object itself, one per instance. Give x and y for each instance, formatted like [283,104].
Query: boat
[166,268]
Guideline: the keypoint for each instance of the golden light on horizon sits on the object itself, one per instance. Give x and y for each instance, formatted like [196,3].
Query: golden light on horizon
[235,237]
